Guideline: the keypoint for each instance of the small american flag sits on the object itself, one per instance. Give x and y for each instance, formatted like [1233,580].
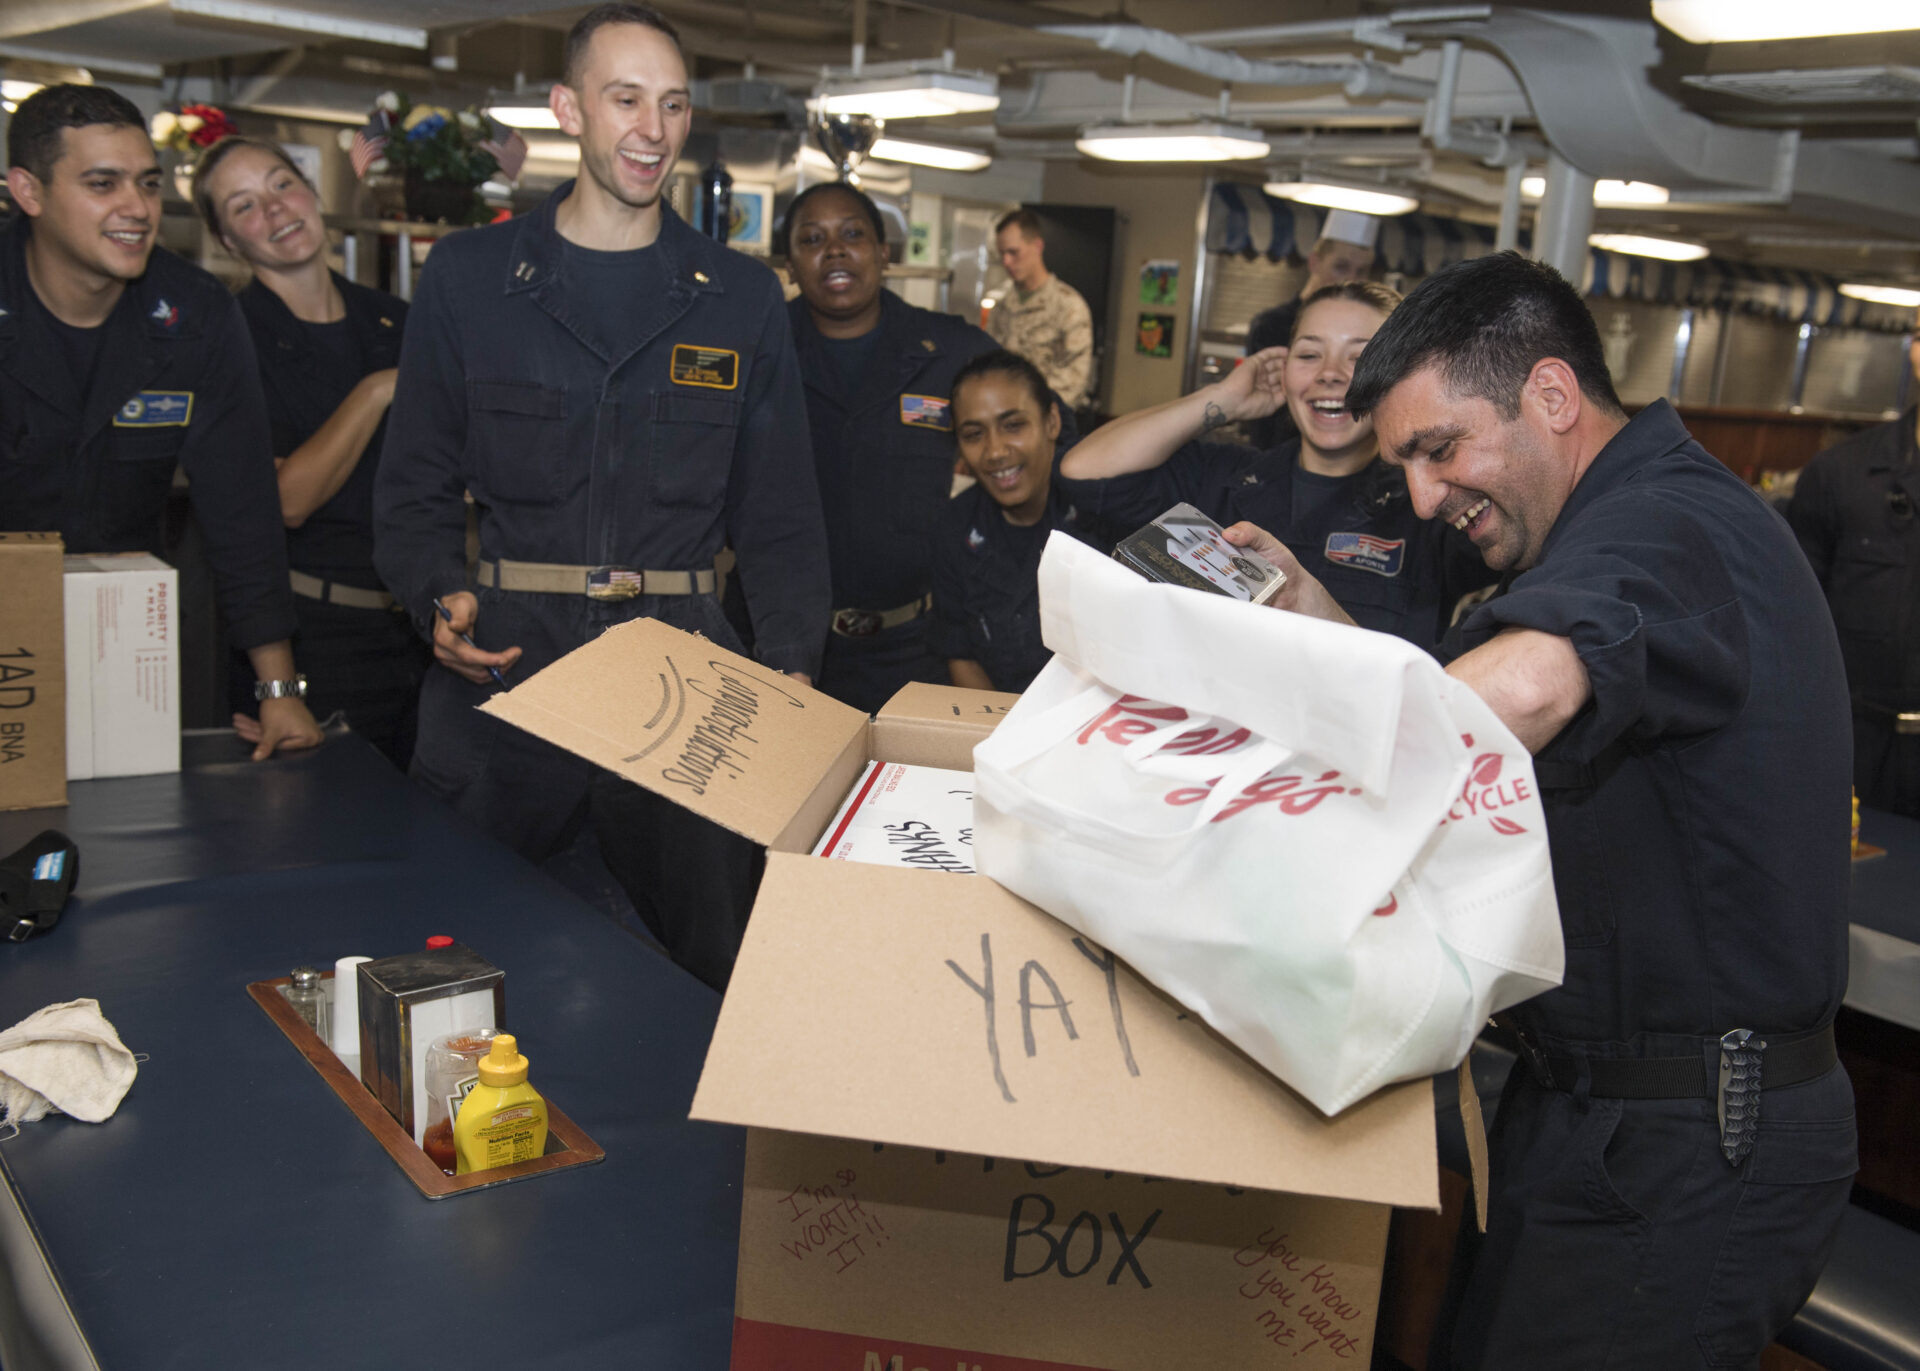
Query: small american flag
[369,142]
[509,149]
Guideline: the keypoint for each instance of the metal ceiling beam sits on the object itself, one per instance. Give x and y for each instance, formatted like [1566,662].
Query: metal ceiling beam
[249,14]
[22,18]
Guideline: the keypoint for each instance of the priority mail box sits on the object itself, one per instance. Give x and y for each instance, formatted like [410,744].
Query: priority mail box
[975,1138]
[33,685]
[123,665]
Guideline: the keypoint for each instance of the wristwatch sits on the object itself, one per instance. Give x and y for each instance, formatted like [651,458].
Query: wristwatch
[295,689]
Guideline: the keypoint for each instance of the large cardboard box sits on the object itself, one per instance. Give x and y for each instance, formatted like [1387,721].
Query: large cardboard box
[33,684]
[977,1139]
[123,666]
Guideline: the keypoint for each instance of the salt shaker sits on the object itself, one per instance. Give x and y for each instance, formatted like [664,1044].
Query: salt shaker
[307,993]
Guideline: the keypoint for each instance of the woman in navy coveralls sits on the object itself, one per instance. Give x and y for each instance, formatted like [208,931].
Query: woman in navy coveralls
[1325,494]
[327,349]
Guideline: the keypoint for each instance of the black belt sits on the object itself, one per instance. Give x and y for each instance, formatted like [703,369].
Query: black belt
[1786,1061]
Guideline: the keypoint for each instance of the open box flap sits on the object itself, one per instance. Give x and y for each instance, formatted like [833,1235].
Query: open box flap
[864,1005]
[734,741]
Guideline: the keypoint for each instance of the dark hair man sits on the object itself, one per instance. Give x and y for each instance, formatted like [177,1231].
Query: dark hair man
[1041,317]
[1854,513]
[120,363]
[619,394]
[1665,1190]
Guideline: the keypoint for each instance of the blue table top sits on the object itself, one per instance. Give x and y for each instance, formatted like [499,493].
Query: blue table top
[233,1213]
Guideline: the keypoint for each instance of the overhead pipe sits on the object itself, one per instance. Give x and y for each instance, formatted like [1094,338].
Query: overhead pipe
[1377,31]
[1507,237]
[1566,218]
[1494,149]
[1359,79]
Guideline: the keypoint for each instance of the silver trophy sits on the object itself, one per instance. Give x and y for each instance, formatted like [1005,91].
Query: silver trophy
[846,138]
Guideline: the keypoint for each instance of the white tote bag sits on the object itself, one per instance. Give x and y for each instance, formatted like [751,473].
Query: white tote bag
[1307,833]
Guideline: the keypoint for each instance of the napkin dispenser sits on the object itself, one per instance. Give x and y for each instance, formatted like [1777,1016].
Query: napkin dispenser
[409,1000]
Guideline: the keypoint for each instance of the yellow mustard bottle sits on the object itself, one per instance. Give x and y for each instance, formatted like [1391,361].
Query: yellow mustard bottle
[503,1119]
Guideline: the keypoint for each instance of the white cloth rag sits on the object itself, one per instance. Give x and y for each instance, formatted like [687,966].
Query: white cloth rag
[67,1058]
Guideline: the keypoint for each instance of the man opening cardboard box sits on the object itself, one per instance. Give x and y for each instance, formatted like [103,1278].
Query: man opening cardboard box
[976,1139]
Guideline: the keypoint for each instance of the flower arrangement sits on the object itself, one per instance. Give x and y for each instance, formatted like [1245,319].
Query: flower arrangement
[195,126]
[438,143]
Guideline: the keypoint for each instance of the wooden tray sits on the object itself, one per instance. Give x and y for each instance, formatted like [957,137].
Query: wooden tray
[567,1144]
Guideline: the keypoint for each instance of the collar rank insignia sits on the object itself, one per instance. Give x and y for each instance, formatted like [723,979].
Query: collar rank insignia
[927,343]
[701,277]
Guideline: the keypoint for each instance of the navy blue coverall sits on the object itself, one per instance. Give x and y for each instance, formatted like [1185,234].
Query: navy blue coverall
[986,584]
[884,456]
[173,386]
[1697,814]
[691,437]
[365,663]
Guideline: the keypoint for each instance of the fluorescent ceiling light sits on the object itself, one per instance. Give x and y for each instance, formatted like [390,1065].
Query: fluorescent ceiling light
[1205,142]
[13,92]
[1634,245]
[524,115]
[552,150]
[1754,21]
[930,155]
[1884,295]
[926,95]
[1607,194]
[1356,198]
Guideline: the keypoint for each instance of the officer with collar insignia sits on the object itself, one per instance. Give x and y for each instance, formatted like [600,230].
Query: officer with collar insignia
[877,373]
[620,396]
[120,363]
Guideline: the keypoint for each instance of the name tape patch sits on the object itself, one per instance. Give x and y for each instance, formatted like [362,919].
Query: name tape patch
[156,409]
[926,411]
[1381,556]
[716,368]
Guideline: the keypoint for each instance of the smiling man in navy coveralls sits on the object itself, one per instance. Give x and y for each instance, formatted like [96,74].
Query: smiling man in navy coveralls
[620,396]
[1665,1189]
[120,363]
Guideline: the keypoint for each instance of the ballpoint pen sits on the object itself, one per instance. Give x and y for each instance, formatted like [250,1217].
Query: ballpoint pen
[467,638]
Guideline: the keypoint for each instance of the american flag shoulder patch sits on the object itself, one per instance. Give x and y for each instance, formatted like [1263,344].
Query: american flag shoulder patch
[1381,556]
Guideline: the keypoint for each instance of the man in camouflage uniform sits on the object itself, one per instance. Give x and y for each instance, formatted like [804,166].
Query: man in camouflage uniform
[1042,318]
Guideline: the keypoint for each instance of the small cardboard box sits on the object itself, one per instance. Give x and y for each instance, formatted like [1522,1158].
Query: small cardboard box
[1025,1104]
[123,666]
[33,683]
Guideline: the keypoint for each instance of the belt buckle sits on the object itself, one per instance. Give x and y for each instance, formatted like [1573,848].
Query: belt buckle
[856,623]
[613,583]
[1907,722]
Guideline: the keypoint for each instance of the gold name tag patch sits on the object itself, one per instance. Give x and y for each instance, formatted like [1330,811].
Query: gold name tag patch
[717,368]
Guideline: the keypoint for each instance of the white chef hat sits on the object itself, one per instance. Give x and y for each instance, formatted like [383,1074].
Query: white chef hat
[1350,226]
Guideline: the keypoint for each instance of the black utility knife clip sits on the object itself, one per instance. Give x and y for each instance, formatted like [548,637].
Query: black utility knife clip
[1738,1099]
